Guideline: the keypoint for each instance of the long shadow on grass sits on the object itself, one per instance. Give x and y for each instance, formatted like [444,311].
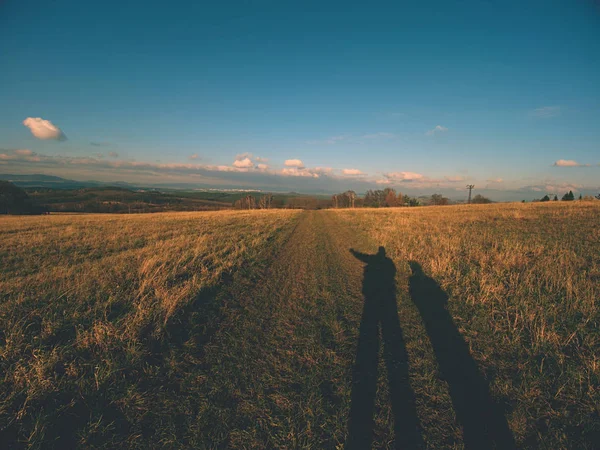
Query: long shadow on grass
[380,310]
[484,425]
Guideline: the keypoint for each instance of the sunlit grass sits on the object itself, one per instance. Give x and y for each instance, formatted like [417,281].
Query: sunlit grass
[524,285]
[86,299]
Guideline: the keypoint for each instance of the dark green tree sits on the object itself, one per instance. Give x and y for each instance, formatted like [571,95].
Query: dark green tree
[569,196]
[480,199]
[439,199]
[13,199]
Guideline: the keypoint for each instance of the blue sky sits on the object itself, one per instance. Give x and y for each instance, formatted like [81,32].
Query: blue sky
[419,96]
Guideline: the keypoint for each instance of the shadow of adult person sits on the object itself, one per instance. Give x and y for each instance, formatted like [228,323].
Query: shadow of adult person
[484,425]
[380,311]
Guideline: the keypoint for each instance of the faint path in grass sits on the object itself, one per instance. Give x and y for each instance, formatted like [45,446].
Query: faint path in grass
[282,364]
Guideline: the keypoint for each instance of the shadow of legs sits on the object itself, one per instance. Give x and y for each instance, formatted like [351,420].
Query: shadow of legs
[364,381]
[379,290]
[484,425]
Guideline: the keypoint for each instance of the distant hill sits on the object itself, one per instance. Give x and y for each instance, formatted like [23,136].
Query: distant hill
[48,181]
[14,200]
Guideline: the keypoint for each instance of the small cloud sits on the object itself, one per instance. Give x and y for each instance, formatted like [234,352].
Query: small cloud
[404,176]
[244,155]
[113,154]
[245,163]
[194,156]
[546,112]
[262,166]
[495,180]
[299,172]
[294,163]
[354,172]
[569,163]
[259,159]
[322,170]
[437,129]
[551,187]
[24,152]
[20,155]
[44,129]
[99,155]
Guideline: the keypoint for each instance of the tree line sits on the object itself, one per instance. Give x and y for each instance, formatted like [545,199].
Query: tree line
[568,197]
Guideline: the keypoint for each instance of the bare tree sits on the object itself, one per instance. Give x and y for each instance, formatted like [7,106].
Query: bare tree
[264,202]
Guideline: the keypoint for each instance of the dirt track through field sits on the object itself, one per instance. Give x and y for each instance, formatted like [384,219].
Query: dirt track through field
[311,353]
[294,344]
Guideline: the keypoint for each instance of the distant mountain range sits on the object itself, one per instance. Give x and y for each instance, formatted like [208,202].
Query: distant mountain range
[54,182]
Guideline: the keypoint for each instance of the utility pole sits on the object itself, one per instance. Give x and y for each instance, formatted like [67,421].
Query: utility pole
[470,188]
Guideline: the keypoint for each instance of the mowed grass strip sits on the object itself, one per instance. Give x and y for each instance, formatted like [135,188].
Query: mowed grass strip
[523,286]
[96,312]
[281,363]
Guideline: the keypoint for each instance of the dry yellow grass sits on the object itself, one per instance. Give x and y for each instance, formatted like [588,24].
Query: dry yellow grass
[83,297]
[523,282]
[240,329]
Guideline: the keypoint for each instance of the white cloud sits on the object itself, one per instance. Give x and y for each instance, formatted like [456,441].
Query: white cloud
[262,166]
[352,172]
[295,172]
[569,163]
[24,152]
[404,176]
[113,154]
[194,156]
[553,187]
[322,170]
[44,129]
[437,129]
[294,163]
[245,163]
[546,112]
[20,155]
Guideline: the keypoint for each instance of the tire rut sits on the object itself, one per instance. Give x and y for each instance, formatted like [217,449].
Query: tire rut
[282,361]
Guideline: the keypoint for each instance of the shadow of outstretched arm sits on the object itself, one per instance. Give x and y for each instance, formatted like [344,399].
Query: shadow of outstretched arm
[380,324]
[360,256]
[484,425]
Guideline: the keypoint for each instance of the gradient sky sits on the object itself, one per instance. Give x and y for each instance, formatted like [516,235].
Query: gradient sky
[421,96]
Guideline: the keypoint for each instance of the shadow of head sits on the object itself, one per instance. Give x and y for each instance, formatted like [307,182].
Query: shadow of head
[425,289]
[416,268]
[381,251]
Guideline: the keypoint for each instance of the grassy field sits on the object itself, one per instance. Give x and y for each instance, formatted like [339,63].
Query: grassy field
[440,327]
